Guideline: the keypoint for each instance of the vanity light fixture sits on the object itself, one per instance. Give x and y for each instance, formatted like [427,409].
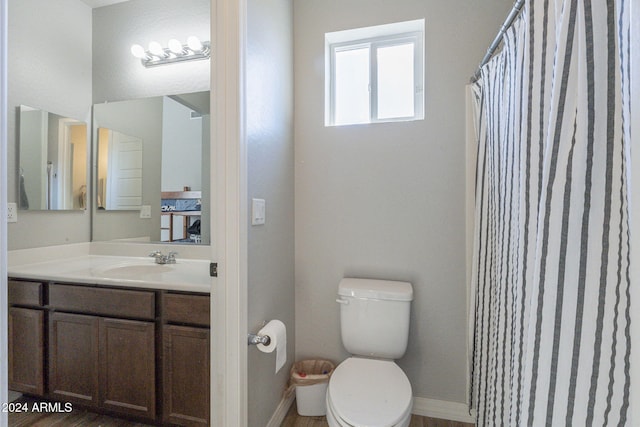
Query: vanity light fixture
[193,50]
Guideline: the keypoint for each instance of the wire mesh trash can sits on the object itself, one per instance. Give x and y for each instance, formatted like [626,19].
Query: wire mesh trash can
[310,379]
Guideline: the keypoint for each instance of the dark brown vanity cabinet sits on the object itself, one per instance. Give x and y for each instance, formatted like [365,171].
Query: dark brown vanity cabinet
[136,352]
[186,359]
[102,362]
[26,337]
[97,359]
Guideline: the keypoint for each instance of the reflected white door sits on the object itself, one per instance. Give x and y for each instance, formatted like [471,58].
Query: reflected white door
[124,177]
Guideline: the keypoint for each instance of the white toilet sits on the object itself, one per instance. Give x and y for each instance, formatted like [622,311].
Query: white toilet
[368,389]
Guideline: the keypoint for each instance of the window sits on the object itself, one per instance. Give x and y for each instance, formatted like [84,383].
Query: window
[375,74]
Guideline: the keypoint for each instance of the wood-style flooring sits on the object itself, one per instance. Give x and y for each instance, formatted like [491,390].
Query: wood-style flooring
[76,418]
[83,418]
[294,420]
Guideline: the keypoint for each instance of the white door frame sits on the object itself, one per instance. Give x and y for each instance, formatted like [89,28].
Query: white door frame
[635,209]
[4,385]
[64,200]
[64,164]
[64,172]
[229,292]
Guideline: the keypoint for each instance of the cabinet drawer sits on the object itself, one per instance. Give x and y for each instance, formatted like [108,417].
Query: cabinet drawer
[25,293]
[106,302]
[183,308]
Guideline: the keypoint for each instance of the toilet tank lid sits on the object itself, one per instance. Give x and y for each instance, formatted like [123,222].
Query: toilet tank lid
[376,289]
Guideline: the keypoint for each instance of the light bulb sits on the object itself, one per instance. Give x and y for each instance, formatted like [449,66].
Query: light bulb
[175,46]
[156,49]
[194,44]
[138,51]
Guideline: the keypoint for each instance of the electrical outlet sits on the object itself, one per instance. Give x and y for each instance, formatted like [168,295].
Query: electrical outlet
[12,212]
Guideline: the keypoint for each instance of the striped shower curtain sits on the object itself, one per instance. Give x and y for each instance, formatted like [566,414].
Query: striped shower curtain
[551,309]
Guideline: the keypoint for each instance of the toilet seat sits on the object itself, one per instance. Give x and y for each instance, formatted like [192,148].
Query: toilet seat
[369,392]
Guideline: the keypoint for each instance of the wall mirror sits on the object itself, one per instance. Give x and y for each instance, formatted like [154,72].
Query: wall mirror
[151,157]
[53,161]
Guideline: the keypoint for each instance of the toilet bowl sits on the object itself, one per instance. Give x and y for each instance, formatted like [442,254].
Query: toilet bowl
[368,393]
[368,389]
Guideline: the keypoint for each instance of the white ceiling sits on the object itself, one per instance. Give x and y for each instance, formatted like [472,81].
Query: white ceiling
[99,3]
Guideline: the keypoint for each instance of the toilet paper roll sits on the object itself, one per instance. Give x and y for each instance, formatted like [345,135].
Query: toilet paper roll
[277,332]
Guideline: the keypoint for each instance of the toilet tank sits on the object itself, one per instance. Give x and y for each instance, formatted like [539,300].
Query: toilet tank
[374,317]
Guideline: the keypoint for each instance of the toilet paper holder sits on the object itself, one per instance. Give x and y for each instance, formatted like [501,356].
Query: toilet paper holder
[255,339]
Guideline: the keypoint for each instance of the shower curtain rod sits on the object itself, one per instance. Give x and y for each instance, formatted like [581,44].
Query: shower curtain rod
[515,11]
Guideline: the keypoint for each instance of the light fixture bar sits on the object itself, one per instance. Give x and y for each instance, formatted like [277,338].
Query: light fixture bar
[153,56]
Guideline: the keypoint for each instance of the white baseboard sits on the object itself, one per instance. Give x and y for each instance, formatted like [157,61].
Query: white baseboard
[453,411]
[433,408]
[281,411]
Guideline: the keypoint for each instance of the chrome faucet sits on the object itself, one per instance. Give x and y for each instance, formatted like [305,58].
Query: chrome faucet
[170,258]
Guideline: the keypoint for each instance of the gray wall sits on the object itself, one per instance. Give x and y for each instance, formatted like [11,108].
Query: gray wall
[49,67]
[118,75]
[141,118]
[32,159]
[270,176]
[181,147]
[388,200]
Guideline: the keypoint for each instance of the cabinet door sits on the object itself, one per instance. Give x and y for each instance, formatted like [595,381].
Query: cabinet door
[186,375]
[127,371]
[26,350]
[73,358]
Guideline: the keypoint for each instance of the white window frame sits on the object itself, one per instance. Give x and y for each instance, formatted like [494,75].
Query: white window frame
[374,43]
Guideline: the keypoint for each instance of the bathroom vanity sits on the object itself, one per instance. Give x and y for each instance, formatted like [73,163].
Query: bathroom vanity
[114,346]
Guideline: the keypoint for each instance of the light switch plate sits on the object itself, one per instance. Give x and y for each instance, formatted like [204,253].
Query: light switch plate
[145,211]
[12,212]
[258,212]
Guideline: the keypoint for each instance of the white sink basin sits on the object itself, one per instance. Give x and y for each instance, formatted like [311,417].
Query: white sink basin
[133,271]
[136,270]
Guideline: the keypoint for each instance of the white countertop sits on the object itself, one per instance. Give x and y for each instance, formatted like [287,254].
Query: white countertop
[138,272]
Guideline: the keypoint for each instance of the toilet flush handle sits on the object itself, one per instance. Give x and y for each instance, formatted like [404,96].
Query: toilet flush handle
[342,301]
